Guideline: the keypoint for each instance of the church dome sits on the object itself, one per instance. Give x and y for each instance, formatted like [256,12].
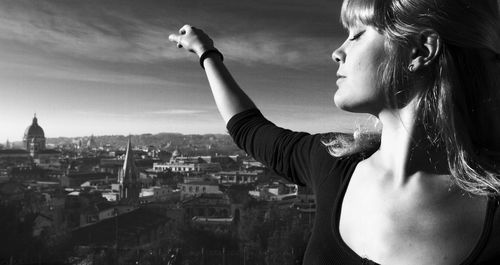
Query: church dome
[34,130]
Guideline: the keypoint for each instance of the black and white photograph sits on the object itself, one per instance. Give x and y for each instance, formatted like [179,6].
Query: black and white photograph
[280,132]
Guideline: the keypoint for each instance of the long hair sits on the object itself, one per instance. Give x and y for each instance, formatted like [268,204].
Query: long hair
[459,105]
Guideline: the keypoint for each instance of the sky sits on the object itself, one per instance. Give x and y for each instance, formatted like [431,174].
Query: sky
[106,67]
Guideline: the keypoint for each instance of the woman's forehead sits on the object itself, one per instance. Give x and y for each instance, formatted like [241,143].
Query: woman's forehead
[355,13]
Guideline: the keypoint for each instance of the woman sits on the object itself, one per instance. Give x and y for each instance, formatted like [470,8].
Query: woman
[424,191]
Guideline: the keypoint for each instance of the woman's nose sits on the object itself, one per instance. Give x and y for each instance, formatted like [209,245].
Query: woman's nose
[338,55]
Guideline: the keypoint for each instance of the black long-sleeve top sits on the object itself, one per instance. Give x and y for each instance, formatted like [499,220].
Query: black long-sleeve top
[303,159]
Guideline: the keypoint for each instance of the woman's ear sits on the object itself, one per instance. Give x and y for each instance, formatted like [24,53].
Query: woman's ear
[428,48]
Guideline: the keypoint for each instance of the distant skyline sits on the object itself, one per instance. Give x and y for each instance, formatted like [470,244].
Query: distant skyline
[106,67]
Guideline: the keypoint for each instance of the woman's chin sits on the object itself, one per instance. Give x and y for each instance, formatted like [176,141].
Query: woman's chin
[346,108]
[356,104]
[354,107]
[342,103]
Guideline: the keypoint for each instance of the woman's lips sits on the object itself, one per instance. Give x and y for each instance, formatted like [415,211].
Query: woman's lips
[340,78]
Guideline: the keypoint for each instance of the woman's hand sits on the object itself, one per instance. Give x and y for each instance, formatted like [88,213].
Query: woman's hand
[192,39]
[229,97]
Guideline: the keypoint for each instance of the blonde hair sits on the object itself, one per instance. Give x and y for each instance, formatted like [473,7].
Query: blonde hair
[456,106]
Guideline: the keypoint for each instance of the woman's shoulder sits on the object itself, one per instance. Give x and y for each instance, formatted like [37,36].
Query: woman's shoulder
[347,146]
[330,156]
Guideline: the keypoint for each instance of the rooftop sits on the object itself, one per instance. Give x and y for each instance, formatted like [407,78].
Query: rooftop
[13,151]
[123,228]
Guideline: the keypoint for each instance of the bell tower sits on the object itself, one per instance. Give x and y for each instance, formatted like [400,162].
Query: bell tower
[128,178]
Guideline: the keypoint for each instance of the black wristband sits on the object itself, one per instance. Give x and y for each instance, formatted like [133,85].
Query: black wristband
[207,53]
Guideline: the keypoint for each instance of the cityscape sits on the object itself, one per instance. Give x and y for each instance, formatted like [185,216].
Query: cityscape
[127,160]
[146,199]
[112,149]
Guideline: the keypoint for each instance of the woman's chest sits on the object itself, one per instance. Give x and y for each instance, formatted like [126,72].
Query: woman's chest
[401,228]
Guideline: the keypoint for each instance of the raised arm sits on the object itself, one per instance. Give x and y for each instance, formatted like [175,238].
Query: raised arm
[229,97]
[286,152]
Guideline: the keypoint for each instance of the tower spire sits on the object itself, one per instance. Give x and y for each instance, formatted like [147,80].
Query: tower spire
[128,162]
[128,177]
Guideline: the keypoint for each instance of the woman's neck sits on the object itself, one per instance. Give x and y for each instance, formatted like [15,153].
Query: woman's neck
[405,148]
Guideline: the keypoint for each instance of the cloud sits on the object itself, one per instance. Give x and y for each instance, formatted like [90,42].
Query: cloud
[165,112]
[55,71]
[117,35]
[87,75]
[285,50]
[105,36]
[178,112]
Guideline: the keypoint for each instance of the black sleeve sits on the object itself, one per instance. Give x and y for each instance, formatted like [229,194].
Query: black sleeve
[287,153]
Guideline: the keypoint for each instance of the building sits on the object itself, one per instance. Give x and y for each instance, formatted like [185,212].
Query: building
[79,205]
[135,229]
[98,184]
[227,163]
[250,162]
[48,159]
[15,157]
[91,143]
[34,143]
[237,177]
[8,145]
[110,195]
[276,191]
[187,165]
[112,166]
[210,210]
[14,153]
[128,178]
[11,191]
[157,194]
[194,189]
[34,138]
[75,179]
[115,165]
[208,206]
[97,212]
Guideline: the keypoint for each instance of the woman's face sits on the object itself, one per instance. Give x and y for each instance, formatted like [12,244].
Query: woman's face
[359,58]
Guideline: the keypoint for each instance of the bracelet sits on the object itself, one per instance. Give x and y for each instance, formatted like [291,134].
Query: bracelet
[207,53]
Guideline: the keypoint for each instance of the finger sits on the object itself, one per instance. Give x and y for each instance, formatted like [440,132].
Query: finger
[185,29]
[174,38]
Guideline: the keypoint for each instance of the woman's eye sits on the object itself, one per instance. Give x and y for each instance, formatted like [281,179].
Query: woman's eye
[356,36]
